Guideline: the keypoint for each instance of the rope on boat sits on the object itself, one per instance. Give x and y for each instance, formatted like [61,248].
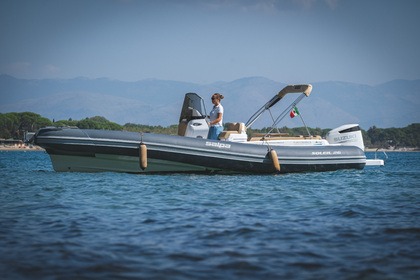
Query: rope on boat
[143,154]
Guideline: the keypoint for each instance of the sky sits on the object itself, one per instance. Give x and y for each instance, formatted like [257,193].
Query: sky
[205,41]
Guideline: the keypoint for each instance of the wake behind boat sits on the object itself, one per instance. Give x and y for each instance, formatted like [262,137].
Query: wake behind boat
[84,150]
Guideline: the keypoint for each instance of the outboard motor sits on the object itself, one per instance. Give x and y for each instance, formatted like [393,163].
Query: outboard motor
[192,121]
[348,135]
[197,126]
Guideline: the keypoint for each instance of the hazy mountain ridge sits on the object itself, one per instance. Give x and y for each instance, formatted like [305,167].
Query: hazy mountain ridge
[158,102]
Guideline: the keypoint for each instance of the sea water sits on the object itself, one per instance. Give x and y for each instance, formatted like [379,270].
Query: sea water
[349,224]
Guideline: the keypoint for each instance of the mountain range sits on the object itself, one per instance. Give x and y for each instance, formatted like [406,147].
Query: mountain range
[158,102]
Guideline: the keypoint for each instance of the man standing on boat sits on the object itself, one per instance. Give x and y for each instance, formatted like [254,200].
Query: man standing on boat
[216,117]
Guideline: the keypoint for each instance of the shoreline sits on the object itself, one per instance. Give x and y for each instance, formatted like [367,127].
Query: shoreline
[17,148]
[402,150]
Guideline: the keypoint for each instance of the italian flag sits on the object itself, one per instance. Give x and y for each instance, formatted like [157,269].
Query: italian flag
[294,112]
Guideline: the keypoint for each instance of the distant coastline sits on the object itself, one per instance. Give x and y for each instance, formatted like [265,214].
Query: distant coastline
[21,148]
[392,150]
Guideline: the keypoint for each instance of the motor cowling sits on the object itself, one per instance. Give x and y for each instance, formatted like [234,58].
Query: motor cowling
[348,135]
[197,128]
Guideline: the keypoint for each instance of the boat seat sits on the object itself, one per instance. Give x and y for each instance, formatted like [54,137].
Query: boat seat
[182,127]
[232,128]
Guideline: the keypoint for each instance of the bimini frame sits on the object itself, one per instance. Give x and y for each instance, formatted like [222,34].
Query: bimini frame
[305,89]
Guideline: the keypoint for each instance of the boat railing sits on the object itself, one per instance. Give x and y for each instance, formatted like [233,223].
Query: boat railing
[282,136]
[376,152]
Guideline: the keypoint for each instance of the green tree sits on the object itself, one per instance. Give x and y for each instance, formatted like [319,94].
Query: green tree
[14,125]
[98,122]
[9,125]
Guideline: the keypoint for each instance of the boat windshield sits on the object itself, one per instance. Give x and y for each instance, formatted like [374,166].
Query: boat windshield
[192,108]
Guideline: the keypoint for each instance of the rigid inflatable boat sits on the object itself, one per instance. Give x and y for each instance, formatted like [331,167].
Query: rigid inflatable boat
[87,150]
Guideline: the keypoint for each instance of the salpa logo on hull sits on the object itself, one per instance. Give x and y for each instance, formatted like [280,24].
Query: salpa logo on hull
[218,145]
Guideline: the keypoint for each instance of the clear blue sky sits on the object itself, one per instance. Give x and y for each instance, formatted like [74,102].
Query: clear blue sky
[203,41]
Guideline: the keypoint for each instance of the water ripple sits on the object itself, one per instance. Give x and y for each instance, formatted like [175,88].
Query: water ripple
[345,224]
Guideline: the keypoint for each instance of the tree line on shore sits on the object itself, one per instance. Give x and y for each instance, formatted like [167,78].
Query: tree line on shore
[14,125]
